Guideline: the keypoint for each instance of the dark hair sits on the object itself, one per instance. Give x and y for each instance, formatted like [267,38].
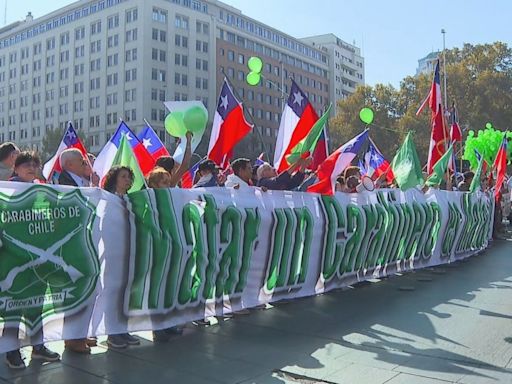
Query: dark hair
[27,157]
[166,162]
[112,175]
[6,149]
[351,171]
[468,175]
[341,180]
[352,182]
[207,165]
[240,164]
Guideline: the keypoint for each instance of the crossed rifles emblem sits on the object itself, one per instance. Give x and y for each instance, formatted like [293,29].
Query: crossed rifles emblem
[42,256]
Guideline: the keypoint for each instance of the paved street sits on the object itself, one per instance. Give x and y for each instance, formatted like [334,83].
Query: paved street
[448,324]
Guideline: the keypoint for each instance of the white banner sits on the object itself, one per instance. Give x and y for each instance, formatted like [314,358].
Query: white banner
[82,262]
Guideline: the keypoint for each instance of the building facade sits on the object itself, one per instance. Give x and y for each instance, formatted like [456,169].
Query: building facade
[95,62]
[427,64]
[346,65]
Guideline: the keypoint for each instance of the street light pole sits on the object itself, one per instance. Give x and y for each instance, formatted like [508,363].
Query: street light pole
[444,66]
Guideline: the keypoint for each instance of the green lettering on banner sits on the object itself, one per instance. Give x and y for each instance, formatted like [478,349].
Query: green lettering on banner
[230,234]
[211,221]
[393,231]
[251,229]
[157,244]
[451,231]
[375,247]
[191,279]
[417,230]
[302,246]
[289,254]
[334,237]
[356,228]
[370,214]
[407,228]
[433,233]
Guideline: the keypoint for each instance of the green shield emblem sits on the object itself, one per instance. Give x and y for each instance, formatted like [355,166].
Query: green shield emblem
[48,260]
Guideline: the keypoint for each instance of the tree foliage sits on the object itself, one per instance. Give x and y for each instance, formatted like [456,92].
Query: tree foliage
[479,81]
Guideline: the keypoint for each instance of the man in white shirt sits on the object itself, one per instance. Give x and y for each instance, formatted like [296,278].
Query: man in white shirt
[241,176]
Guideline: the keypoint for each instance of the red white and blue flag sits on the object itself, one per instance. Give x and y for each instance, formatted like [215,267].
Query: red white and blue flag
[52,168]
[259,161]
[336,163]
[376,164]
[152,142]
[500,166]
[455,131]
[229,127]
[298,118]
[187,180]
[439,136]
[105,158]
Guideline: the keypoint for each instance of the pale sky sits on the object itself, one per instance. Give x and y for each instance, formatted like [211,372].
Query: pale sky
[393,34]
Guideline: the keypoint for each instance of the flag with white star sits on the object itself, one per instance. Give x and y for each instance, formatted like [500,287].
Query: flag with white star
[298,118]
[106,156]
[52,168]
[229,126]
[152,142]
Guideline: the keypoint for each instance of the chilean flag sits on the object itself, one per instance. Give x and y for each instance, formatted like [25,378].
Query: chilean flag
[321,151]
[229,126]
[336,163]
[500,165]
[439,135]
[152,142]
[297,120]
[105,158]
[259,161]
[455,131]
[187,180]
[52,168]
[376,164]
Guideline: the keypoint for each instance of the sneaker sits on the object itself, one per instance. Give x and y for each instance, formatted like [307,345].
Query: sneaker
[116,341]
[173,331]
[130,340]
[40,352]
[14,360]
[161,336]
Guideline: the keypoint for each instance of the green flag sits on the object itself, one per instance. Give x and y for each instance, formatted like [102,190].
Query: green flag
[124,156]
[439,169]
[406,165]
[308,143]
[476,182]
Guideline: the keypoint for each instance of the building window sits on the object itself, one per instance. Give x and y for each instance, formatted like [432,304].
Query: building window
[159,15]
[113,22]
[131,15]
[96,27]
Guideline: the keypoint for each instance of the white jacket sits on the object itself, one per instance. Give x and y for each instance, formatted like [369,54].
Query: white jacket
[232,180]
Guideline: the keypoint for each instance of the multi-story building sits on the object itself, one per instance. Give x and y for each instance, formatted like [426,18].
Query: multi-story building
[427,64]
[97,61]
[346,65]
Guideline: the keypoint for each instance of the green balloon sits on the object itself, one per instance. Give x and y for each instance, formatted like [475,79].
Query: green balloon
[488,125]
[195,119]
[253,78]
[366,115]
[471,133]
[255,64]
[174,124]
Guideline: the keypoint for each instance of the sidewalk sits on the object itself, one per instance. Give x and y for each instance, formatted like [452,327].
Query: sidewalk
[447,324]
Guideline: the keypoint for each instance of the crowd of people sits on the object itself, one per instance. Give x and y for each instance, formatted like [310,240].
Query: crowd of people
[242,174]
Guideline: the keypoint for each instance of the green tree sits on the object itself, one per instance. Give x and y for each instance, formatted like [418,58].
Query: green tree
[479,81]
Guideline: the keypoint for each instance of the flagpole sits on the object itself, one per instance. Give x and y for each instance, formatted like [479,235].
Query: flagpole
[444,67]
[249,114]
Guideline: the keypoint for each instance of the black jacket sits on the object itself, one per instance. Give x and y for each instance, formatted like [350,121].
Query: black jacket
[66,179]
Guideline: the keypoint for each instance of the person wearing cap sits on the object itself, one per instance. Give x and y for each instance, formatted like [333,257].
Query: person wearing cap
[241,176]
[287,180]
[209,175]
[8,153]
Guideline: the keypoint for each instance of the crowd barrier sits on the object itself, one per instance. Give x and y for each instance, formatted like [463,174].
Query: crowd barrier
[81,261]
